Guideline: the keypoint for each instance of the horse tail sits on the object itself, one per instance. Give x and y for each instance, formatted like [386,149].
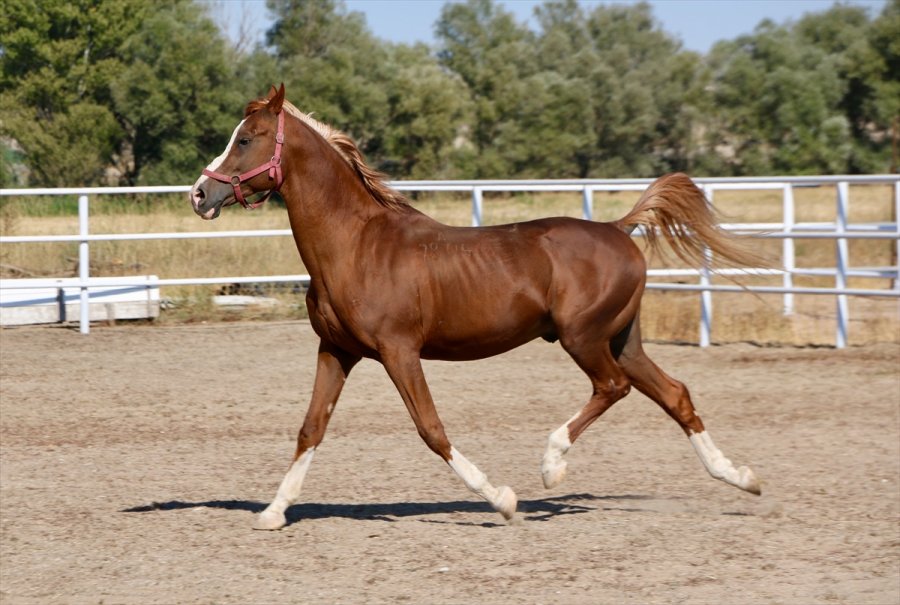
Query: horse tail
[676,209]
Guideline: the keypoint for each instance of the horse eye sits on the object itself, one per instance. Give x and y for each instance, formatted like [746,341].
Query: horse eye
[244,142]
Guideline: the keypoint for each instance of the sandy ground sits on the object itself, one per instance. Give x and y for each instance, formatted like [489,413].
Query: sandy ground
[134,460]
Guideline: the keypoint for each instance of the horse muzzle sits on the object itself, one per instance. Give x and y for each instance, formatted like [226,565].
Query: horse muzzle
[205,207]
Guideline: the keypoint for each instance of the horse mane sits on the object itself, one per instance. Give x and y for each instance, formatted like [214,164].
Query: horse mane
[373,180]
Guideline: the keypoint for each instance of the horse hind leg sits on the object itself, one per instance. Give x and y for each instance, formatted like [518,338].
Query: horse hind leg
[673,397]
[609,385]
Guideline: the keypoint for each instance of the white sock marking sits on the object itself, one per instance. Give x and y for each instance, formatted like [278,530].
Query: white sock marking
[474,478]
[553,467]
[289,490]
[721,467]
[712,457]
[560,442]
[503,499]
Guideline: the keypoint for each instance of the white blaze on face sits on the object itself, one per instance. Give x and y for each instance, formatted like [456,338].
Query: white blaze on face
[214,165]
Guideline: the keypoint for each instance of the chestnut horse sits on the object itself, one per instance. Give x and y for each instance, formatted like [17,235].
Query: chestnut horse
[391,284]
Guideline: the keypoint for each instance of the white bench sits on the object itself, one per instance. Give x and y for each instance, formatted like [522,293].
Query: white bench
[53,300]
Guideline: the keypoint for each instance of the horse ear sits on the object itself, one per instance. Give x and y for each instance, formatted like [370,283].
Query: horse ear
[276,99]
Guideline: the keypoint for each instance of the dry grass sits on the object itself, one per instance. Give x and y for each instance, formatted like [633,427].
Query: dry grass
[669,316]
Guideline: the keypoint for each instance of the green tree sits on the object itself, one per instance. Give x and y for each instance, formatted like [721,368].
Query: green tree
[56,64]
[128,92]
[402,110]
[494,55]
[605,93]
[429,108]
[114,91]
[6,173]
[646,93]
[815,96]
[180,96]
[553,128]
[332,66]
[873,107]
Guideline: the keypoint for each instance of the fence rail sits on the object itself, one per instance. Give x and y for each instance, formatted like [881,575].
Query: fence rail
[788,231]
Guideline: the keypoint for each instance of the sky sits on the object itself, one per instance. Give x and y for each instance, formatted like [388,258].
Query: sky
[697,23]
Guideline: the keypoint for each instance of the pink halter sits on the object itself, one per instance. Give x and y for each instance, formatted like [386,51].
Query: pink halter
[273,166]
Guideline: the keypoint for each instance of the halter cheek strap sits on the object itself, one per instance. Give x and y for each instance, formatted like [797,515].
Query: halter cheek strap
[273,166]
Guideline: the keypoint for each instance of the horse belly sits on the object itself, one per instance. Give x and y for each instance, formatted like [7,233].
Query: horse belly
[480,329]
[480,348]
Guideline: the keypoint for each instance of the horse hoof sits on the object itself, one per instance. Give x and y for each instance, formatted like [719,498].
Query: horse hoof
[515,520]
[506,503]
[749,482]
[553,474]
[269,520]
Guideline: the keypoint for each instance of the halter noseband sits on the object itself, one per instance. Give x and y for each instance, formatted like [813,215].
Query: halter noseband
[273,166]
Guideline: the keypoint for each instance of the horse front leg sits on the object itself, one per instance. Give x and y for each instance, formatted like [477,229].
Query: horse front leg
[405,370]
[332,368]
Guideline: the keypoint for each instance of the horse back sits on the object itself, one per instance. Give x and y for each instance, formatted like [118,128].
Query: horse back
[475,292]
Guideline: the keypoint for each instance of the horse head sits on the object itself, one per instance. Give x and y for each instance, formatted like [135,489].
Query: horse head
[251,162]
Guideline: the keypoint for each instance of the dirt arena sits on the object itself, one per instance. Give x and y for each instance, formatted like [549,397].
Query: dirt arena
[134,460]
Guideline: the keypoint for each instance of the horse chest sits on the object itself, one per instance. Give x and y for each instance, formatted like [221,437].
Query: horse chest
[333,321]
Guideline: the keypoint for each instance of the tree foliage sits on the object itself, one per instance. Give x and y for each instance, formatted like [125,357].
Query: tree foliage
[114,91]
[815,96]
[396,102]
[128,92]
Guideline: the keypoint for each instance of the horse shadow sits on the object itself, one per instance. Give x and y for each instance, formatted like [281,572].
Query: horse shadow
[543,509]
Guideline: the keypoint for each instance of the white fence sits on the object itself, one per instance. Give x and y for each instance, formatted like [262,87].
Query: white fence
[788,231]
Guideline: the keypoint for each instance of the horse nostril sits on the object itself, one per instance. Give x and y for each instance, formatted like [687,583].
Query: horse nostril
[198,194]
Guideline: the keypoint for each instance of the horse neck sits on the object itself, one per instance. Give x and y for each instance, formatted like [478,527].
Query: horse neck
[327,202]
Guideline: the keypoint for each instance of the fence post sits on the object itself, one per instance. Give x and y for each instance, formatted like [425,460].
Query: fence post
[841,260]
[706,295]
[476,207]
[587,204]
[84,266]
[896,218]
[787,247]
[61,304]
